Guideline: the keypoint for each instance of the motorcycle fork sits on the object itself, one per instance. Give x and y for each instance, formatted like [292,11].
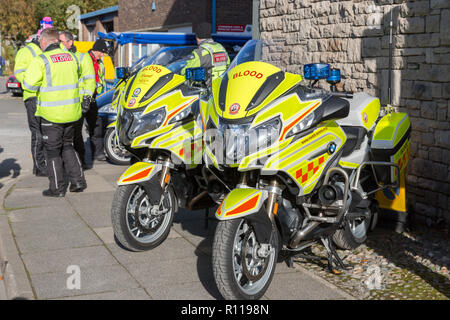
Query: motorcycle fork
[165,178]
[273,192]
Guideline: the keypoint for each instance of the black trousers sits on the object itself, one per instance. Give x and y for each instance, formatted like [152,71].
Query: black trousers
[58,144]
[37,145]
[96,132]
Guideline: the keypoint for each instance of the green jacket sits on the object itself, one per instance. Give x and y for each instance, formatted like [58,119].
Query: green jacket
[212,56]
[53,77]
[22,61]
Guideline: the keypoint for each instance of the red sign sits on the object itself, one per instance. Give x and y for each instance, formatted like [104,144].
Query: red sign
[220,57]
[248,73]
[61,57]
[230,27]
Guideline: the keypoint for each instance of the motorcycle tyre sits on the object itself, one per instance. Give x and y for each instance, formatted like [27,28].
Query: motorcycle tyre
[223,263]
[120,226]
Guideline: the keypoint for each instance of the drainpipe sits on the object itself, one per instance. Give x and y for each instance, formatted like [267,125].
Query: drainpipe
[213,23]
[255,17]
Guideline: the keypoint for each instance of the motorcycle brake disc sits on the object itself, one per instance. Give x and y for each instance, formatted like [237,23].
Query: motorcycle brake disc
[245,269]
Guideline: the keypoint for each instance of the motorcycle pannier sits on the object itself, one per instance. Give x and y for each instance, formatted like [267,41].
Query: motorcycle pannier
[390,143]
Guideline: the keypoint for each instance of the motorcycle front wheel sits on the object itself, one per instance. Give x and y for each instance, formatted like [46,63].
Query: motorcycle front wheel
[116,153]
[242,270]
[138,225]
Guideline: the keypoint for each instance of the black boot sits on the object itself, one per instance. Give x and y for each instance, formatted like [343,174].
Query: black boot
[56,177]
[74,168]
[54,194]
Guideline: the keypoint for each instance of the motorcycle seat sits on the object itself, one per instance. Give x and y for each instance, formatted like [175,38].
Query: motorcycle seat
[355,137]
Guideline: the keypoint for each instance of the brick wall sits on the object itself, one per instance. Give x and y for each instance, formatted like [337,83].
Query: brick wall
[354,36]
[138,14]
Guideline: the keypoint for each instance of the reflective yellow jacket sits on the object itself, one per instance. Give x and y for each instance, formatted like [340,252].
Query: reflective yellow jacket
[88,84]
[212,56]
[23,59]
[54,77]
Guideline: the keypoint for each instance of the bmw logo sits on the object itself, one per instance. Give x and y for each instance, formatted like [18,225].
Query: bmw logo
[331,147]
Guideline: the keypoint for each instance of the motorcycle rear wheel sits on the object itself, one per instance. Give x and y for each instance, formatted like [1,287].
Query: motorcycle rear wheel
[239,271]
[352,234]
[137,224]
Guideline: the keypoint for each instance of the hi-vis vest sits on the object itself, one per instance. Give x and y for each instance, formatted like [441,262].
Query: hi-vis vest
[22,61]
[54,77]
[88,84]
[212,56]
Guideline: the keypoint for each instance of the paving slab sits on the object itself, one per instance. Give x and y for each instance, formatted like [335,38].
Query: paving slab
[186,291]
[93,207]
[29,197]
[174,249]
[172,272]
[53,234]
[96,183]
[37,214]
[60,260]
[131,294]
[301,286]
[92,281]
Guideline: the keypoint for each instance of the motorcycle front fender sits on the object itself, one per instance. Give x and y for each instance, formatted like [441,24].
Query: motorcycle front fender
[112,124]
[248,203]
[139,172]
[240,203]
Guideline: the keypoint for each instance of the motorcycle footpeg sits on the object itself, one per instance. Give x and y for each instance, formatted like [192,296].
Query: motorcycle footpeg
[358,214]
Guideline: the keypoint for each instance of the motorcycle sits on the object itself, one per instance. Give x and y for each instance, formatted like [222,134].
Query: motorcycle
[160,123]
[305,162]
[115,151]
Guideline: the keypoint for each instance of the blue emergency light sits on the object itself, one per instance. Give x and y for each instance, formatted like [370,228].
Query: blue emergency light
[316,71]
[335,76]
[121,72]
[196,74]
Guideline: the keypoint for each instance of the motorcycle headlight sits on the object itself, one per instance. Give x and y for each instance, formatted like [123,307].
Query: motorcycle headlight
[183,114]
[240,140]
[146,123]
[304,124]
[107,109]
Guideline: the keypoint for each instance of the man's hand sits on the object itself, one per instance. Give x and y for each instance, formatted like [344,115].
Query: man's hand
[85,104]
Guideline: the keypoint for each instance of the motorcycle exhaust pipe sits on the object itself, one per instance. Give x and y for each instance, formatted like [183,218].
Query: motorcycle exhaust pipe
[301,234]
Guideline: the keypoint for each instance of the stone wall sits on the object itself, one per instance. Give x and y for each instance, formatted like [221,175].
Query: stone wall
[354,36]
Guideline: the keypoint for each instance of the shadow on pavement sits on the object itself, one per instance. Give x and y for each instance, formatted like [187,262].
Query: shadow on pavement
[8,167]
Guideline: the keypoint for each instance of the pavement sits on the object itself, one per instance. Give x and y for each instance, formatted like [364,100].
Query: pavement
[64,248]
[44,241]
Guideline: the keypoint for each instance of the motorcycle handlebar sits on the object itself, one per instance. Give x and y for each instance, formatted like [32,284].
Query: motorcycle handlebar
[342,94]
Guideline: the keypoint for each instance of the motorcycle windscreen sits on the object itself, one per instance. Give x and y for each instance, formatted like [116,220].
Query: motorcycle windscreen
[150,83]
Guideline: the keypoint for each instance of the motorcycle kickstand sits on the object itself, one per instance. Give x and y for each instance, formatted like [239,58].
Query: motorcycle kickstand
[334,261]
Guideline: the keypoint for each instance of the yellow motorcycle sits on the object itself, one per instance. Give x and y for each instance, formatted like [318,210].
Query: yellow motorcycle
[159,122]
[305,164]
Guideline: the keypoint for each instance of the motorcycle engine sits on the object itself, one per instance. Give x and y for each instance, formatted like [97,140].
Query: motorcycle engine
[290,218]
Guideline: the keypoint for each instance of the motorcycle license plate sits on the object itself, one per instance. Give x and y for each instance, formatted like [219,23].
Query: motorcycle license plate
[13,85]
